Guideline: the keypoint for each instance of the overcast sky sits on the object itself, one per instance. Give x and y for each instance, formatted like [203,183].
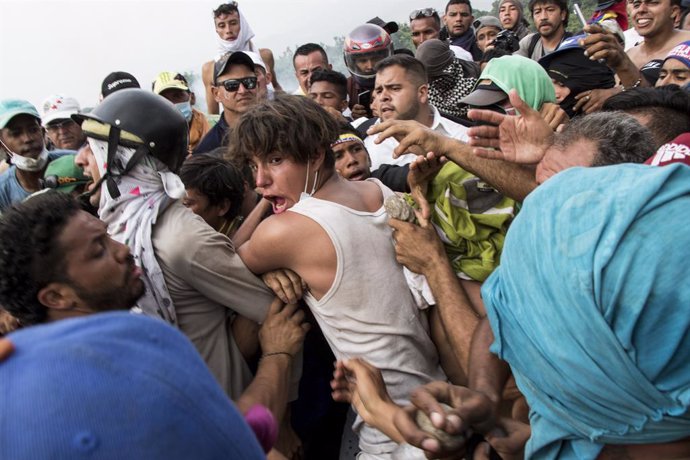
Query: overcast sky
[69,46]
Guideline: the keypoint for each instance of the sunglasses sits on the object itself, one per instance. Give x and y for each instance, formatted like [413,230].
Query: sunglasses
[54,181]
[65,124]
[233,85]
[423,13]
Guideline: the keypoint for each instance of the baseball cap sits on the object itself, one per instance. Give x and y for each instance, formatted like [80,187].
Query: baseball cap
[256,59]
[118,80]
[169,80]
[10,108]
[63,175]
[676,151]
[391,27]
[115,384]
[567,44]
[487,21]
[233,57]
[58,107]
[485,94]
[680,53]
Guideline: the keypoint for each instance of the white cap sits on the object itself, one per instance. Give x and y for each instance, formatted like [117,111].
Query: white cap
[58,107]
[256,58]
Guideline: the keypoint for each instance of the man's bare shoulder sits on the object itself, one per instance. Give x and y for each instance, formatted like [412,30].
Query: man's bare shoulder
[364,196]
[207,71]
[636,55]
[640,55]
[279,225]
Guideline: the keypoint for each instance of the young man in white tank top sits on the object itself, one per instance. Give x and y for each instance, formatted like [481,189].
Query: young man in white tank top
[333,233]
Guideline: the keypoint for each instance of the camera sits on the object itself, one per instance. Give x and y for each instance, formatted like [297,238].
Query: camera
[507,41]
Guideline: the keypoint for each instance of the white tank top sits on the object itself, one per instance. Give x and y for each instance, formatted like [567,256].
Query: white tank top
[369,312]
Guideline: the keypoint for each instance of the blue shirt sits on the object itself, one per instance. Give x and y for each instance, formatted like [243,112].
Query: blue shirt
[11,191]
[214,138]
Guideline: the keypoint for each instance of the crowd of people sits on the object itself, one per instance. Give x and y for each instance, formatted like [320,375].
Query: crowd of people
[466,250]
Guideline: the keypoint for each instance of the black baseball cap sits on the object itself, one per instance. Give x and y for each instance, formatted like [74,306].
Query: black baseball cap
[116,81]
[485,94]
[233,57]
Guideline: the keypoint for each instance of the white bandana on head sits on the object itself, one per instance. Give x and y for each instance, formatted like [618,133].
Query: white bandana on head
[145,192]
[241,43]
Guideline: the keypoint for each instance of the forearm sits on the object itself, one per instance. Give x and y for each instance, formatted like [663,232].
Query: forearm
[244,233]
[629,75]
[270,385]
[457,315]
[488,373]
[512,180]
[245,332]
[382,418]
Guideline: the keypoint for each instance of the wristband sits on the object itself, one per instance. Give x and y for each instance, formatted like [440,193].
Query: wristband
[634,85]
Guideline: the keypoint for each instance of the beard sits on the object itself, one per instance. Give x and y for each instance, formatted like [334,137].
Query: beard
[112,298]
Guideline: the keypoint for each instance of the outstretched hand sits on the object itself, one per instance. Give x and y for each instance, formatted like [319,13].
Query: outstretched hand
[413,137]
[521,139]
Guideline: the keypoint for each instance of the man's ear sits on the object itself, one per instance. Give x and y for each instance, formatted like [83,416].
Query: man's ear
[423,93]
[675,12]
[317,160]
[343,105]
[216,96]
[223,208]
[58,296]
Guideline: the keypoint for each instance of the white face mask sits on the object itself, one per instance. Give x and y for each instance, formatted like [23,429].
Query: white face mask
[304,195]
[26,163]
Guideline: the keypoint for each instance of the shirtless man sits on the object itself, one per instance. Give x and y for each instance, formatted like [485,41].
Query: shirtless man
[234,34]
[653,20]
[344,252]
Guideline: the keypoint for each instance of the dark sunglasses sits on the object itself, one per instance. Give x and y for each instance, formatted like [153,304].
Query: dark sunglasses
[423,13]
[54,181]
[234,84]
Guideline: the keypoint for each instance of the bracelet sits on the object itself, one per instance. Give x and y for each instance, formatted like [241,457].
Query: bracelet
[634,85]
[275,353]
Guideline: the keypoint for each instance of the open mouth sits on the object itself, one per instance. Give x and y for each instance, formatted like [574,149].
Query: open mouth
[357,175]
[278,203]
[643,22]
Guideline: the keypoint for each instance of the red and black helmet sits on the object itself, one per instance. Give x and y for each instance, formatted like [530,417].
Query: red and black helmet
[365,46]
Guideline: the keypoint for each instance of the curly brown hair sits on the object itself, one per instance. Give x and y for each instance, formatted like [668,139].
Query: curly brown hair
[293,125]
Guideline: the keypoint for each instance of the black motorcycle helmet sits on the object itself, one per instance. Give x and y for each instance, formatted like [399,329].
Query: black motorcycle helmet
[138,119]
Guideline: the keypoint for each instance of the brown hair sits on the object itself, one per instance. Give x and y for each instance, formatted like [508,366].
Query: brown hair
[293,125]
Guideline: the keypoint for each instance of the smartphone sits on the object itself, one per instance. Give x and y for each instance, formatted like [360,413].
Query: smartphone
[578,13]
[364,98]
